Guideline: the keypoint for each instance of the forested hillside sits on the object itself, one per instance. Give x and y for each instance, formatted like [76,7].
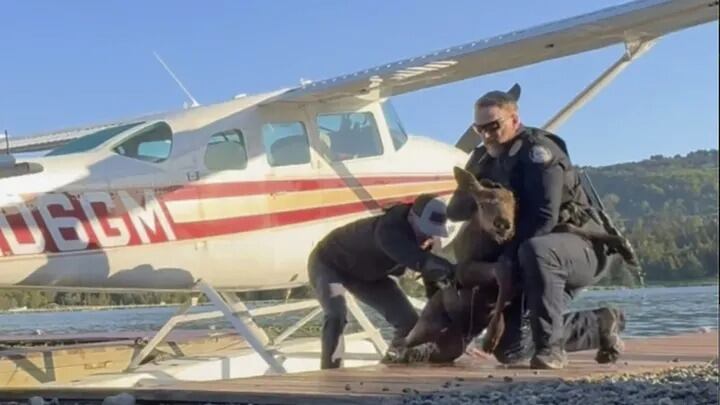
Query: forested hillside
[669,209]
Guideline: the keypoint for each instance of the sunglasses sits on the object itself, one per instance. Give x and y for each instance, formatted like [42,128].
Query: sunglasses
[491,126]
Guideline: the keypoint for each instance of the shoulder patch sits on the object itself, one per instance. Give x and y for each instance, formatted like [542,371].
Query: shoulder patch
[515,148]
[540,154]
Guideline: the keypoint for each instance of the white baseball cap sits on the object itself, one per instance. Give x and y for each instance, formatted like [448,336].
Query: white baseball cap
[430,215]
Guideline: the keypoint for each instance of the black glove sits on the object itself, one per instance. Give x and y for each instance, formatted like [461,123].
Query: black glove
[437,269]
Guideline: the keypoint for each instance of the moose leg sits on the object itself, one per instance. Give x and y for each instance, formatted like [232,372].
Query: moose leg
[421,343]
[431,323]
[444,347]
[450,346]
[490,278]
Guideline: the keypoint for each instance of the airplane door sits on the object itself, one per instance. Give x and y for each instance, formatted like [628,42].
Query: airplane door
[293,196]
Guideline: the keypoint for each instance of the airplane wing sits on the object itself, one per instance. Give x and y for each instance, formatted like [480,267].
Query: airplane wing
[51,140]
[632,22]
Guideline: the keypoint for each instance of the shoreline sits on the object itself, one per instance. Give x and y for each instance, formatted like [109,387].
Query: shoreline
[678,284]
[79,308]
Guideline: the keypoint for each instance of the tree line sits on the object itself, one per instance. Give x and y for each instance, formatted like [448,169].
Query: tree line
[668,208]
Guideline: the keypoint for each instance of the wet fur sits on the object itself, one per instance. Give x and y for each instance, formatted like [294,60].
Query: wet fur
[446,319]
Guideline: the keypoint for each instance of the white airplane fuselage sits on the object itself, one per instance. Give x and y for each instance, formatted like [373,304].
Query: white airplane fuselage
[106,218]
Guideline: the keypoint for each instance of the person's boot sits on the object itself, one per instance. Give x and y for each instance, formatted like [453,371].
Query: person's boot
[330,364]
[611,322]
[549,359]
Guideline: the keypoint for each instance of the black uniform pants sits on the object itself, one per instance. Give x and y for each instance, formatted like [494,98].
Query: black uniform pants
[553,268]
[383,295]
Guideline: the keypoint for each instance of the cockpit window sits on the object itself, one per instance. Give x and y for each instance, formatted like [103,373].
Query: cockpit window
[91,140]
[351,135]
[151,144]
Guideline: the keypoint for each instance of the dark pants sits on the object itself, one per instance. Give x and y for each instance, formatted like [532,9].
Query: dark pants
[553,268]
[383,295]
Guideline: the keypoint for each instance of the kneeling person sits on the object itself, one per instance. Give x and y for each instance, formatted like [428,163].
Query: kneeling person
[361,256]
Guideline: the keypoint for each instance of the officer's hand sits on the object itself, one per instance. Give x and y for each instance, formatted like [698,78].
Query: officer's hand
[438,269]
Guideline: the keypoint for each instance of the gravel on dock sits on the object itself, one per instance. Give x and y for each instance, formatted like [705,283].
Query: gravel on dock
[688,385]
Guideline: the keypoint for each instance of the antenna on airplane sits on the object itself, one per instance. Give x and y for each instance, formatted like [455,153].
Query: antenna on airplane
[194,102]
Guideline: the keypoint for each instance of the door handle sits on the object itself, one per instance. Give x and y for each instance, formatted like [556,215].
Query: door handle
[193,176]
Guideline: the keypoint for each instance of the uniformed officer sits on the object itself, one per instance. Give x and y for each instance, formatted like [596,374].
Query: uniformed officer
[360,257]
[551,267]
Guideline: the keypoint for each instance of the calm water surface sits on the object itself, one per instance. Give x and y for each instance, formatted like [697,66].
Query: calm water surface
[650,312]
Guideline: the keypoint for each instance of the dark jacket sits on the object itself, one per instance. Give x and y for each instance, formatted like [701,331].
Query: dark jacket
[373,248]
[543,179]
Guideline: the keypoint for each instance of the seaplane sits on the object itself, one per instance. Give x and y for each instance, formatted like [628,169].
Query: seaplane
[232,197]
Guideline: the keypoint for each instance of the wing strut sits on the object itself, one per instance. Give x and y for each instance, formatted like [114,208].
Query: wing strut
[469,140]
[632,52]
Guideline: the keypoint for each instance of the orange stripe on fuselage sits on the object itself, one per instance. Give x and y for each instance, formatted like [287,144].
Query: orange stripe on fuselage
[257,222]
[245,188]
[211,209]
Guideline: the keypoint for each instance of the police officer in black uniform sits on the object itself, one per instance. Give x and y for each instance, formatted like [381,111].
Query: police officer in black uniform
[550,267]
[360,257]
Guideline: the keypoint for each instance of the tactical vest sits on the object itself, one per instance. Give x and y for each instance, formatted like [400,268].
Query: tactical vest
[574,201]
[577,207]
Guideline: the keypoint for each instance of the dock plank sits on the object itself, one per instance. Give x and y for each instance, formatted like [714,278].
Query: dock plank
[381,384]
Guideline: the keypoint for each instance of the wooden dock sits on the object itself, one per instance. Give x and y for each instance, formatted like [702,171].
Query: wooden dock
[35,360]
[382,384]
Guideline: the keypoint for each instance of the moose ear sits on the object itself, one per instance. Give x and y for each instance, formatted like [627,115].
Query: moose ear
[465,180]
[514,92]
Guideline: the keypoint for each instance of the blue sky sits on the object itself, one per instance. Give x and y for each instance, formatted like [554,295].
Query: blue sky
[64,64]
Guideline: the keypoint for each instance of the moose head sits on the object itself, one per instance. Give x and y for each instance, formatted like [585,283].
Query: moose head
[492,207]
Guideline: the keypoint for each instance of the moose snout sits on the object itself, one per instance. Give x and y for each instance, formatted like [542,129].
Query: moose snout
[502,225]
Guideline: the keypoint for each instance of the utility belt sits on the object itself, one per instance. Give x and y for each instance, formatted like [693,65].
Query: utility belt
[577,214]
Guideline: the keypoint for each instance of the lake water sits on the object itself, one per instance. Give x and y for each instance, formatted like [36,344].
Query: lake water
[650,312]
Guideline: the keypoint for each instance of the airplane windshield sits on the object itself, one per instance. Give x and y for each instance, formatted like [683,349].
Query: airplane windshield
[91,140]
[397,132]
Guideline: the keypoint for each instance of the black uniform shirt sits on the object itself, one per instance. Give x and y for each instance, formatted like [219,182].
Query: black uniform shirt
[541,175]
